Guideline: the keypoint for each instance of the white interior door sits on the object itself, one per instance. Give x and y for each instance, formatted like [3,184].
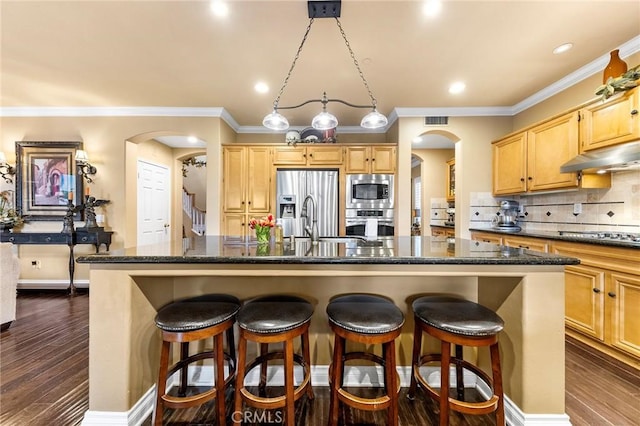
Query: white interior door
[154,199]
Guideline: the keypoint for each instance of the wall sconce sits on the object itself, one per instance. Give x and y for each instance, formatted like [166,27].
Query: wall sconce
[83,166]
[5,169]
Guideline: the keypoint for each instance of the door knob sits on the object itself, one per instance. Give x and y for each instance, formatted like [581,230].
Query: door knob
[166,225]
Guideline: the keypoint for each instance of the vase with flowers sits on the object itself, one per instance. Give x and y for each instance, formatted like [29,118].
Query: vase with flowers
[262,227]
[9,218]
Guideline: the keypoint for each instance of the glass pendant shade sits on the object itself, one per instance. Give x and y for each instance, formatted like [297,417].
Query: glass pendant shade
[374,120]
[275,121]
[324,121]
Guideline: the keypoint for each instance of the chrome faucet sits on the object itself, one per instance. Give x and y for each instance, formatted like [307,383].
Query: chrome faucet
[310,224]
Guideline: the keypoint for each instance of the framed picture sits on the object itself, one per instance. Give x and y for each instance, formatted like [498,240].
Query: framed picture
[46,179]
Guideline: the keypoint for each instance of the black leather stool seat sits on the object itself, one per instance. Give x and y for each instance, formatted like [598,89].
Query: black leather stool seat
[274,314]
[457,316]
[198,312]
[365,314]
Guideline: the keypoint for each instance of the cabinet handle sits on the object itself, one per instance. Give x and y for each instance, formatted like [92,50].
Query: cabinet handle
[373,159]
[248,202]
[530,178]
[524,247]
[611,294]
[634,112]
[366,159]
[521,179]
[311,155]
[304,155]
[596,290]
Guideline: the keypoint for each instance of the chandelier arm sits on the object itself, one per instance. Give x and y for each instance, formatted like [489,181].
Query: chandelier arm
[350,104]
[293,64]
[355,62]
[299,105]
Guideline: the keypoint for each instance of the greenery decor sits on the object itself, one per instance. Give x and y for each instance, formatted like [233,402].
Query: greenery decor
[9,218]
[192,161]
[262,227]
[626,81]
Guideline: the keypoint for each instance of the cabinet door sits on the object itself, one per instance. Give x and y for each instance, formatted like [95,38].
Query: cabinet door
[233,179]
[451,180]
[383,159]
[549,146]
[259,179]
[234,226]
[584,296]
[624,296]
[612,122]
[289,155]
[526,243]
[324,155]
[357,159]
[509,166]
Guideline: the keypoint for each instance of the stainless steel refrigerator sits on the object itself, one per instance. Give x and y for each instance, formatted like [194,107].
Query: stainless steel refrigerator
[292,187]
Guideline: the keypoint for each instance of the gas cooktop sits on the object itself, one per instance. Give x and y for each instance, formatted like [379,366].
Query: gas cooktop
[605,236]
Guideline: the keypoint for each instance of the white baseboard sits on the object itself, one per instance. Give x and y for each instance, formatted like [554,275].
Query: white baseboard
[355,376]
[31,284]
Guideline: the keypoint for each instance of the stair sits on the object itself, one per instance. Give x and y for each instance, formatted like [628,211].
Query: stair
[197,216]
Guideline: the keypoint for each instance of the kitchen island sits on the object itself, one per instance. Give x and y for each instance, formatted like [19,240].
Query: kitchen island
[525,288]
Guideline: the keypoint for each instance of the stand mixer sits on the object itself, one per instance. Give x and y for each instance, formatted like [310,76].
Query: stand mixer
[507,217]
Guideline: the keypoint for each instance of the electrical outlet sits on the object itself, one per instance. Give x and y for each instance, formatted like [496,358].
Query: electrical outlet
[35,264]
[577,208]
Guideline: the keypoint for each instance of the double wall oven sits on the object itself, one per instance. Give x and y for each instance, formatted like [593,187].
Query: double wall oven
[369,201]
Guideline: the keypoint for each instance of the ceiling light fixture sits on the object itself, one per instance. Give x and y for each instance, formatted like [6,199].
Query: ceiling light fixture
[324,120]
[562,48]
[457,87]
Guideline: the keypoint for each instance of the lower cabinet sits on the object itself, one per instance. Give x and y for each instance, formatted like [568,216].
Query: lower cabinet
[235,226]
[486,237]
[439,231]
[602,303]
[534,244]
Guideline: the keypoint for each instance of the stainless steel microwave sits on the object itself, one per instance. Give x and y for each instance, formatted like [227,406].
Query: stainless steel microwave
[369,191]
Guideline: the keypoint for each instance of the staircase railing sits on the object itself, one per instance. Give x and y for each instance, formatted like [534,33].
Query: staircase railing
[197,216]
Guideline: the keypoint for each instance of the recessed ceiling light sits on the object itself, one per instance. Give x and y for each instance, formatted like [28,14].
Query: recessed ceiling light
[261,87]
[192,139]
[432,8]
[417,139]
[219,8]
[457,87]
[562,48]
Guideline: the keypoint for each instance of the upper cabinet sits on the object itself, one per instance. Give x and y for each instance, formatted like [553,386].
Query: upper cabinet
[246,179]
[308,155]
[530,160]
[371,159]
[611,122]
[451,180]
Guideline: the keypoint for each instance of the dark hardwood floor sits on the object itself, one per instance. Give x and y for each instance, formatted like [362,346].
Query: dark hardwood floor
[44,378]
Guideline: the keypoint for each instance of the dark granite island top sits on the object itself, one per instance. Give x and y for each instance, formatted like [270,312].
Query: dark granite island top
[525,288]
[341,250]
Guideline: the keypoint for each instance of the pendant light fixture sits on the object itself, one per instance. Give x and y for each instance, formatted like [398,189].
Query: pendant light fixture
[324,120]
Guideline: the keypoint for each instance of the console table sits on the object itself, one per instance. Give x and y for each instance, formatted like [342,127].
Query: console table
[94,236]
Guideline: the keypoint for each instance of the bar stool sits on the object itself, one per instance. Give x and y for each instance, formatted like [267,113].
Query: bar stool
[274,319]
[461,323]
[367,319]
[194,319]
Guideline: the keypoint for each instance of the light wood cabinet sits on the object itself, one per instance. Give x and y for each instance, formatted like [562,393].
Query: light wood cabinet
[308,155]
[486,237]
[530,161]
[370,159]
[614,121]
[451,180]
[534,244]
[602,303]
[439,231]
[246,186]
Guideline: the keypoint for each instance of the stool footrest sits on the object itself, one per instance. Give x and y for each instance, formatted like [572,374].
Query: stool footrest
[277,401]
[482,407]
[171,401]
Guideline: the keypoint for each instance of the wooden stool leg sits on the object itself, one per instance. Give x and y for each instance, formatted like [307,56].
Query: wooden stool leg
[307,360]
[336,379]
[390,382]
[444,383]
[161,386]
[289,387]
[459,374]
[262,387]
[184,372]
[415,359]
[497,383]
[231,346]
[219,380]
[242,357]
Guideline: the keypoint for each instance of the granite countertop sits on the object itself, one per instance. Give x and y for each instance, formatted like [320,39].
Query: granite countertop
[555,235]
[343,250]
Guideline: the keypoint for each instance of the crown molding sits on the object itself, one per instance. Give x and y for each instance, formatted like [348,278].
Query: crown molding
[454,111]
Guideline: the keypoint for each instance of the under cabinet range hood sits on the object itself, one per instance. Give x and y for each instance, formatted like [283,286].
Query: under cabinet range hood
[617,158]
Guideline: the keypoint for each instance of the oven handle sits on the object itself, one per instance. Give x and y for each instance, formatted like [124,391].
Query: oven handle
[364,222]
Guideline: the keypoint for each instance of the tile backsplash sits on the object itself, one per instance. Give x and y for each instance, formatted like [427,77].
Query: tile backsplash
[615,209]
